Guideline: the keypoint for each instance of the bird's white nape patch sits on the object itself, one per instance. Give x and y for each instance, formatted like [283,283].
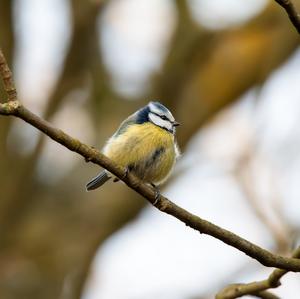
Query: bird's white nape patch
[157,110]
[166,124]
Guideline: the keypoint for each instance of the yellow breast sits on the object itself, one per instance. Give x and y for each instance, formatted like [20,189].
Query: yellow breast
[137,144]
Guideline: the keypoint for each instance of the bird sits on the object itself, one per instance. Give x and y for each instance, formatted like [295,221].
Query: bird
[145,145]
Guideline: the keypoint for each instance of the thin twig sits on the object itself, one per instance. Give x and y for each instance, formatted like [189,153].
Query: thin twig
[292,12]
[7,79]
[263,256]
[257,288]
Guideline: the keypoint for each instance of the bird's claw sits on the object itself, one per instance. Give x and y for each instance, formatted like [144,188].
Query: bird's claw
[157,194]
[125,173]
[88,159]
[124,176]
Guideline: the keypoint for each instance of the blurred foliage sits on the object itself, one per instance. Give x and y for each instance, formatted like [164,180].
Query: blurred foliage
[49,233]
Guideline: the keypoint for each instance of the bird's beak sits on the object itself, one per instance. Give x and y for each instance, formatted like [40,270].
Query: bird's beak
[176,123]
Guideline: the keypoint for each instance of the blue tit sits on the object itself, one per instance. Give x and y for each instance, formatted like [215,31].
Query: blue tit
[144,145]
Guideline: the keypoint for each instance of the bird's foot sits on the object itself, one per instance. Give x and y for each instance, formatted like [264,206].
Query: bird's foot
[124,176]
[126,171]
[157,194]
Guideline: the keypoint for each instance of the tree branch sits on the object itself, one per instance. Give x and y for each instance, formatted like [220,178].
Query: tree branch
[263,256]
[6,76]
[291,11]
[257,288]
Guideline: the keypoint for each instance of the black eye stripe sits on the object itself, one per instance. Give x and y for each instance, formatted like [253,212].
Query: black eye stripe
[161,116]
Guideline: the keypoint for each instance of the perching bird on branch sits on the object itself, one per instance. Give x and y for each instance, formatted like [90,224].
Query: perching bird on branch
[144,144]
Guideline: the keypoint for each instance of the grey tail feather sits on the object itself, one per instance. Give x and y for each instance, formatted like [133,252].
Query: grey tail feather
[98,181]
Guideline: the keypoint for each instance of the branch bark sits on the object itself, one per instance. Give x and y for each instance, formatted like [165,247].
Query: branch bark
[257,288]
[6,75]
[292,12]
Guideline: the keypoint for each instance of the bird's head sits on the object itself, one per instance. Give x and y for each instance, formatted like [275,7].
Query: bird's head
[159,115]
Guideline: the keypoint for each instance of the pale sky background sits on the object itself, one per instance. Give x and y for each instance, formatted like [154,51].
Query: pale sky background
[156,256]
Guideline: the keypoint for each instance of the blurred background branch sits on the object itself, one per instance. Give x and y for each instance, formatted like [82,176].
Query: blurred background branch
[245,173]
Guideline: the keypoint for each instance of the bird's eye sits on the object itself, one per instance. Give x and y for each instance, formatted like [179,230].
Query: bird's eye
[164,117]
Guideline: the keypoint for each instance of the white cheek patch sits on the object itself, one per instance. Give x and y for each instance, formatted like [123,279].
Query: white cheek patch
[160,122]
